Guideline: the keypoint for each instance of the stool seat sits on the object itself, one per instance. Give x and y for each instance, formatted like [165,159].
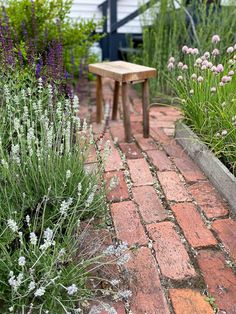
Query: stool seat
[123,73]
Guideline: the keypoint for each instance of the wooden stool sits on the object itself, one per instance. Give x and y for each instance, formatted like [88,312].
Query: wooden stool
[123,73]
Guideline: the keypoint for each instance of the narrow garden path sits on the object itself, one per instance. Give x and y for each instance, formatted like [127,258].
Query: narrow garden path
[163,206]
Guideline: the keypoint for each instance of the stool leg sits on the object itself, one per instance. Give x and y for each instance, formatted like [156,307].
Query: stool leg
[99,101]
[126,112]
[115,100]
[145,92]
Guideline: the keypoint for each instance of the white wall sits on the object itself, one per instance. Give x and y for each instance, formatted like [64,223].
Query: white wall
[88,9]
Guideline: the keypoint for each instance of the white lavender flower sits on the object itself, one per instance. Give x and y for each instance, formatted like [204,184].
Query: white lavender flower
[32,285]
[65,206]
[21,261]
[68,174]
[12,225]
[39,292]
[125,294]
[72,289]
[33,238]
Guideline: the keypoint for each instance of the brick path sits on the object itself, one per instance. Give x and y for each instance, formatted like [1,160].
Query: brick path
[181,231]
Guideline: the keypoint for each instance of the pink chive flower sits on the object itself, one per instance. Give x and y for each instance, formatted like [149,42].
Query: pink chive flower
[180,65]
[198,61]
[171,60]
[221,84]
[185,49]
[180,78]
[195,51]
[203,67]
[205,62]
[200,79]
[235,47]
[189,51]
[207,54]
[231,73]
[191,92]
[214,69]
[213,89]
[194,76]
[209,65]
[185,67]
[215,52]
[230,49]
[170,66]
[219,68]
[215,39]
[226,79]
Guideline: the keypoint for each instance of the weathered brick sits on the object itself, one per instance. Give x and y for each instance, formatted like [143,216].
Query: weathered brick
[186,301]
[149,204]
[162,124]
[173,149]
[159,135]
[131,150]
[220,279]
[171,254]
[140,172]
[120,191]
[117,131]
[127,223]
[173,188]
[194,229]
[160,159]
[169,131]
[145,143]
[209,199]
[147,294]
[189,169]
[226,230]
[113,161]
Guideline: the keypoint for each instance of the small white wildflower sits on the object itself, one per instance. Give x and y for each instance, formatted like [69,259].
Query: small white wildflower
[12,225]
[39,292]
[72,289]
[11,309]
[180,65]
[21,261]
[200,79]
[114,282]
[185,67]
[230,49]
[213,89]
[32,285]
[114,182]
[65,206]
[224,133]
[68,174]
[124,294]
[33,238]
[123,259]
[191,92]
[27,219]
[180,78]
[194,76]
[48,233]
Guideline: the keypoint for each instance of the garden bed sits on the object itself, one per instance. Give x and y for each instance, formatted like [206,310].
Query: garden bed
[218,174]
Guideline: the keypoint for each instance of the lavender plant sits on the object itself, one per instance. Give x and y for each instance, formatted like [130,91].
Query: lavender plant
[206,85]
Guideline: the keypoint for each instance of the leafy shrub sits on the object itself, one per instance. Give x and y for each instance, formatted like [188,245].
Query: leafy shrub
[207,89]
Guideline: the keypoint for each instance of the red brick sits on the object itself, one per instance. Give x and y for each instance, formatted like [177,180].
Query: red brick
[140,172]
[147,294]
[220,279]
[149,204]
[226,230]
[97,128]
[173,188]
[194,229]
[208,199]
[145,143]
[159,135]
[131,150]
[171,254]
[137,127]
[162,124]
[160,160]
[186,301]
[189,169]
[127,223]
[119,192]
[169,131]
[173,149]
[137,105]
[113,161]
[117,131]
[136,118]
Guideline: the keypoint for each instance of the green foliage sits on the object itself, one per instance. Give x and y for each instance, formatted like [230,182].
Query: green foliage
[208,99]
[171,28]
[38,23]
[45,193]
